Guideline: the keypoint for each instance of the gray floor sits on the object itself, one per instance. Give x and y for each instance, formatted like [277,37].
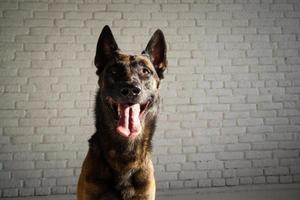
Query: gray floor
[262,192]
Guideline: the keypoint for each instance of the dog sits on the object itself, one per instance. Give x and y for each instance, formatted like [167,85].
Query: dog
[118,164]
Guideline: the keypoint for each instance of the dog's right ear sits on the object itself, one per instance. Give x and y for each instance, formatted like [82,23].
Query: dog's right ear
[157,50]
[106,49]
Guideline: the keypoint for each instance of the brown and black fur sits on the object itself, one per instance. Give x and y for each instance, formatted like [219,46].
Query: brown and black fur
[116,167]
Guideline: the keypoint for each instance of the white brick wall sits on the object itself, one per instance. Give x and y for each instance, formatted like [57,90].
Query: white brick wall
[230,107]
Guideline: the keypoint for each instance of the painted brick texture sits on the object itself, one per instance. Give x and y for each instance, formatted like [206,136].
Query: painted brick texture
[230,98]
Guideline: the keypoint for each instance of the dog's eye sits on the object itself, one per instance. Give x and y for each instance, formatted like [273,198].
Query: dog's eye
[114,71]
[146,71]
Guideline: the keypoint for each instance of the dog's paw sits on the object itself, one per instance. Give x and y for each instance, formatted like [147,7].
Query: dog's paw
[128,193]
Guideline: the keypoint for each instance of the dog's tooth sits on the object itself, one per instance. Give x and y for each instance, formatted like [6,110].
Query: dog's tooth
[119,110]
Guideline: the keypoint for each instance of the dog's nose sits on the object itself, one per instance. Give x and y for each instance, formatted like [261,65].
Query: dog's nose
[131,90]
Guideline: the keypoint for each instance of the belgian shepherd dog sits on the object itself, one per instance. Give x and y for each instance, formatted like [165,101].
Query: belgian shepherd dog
[118,164]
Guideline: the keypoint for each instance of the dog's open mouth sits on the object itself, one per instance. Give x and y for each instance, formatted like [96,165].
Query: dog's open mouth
[129,117]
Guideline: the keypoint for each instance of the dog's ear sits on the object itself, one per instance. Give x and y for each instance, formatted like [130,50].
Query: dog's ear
[106,49]
[157,50]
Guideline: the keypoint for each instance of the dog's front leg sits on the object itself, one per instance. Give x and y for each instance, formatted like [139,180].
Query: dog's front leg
[96,191]
[141,191]
[140,186]
[143,183]
[145,186]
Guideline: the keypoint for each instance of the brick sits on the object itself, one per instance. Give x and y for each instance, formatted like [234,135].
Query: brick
[91,7]
[232,181]
[48,14]
[33,6]
[34,72]
[286,179]
[214,174]
[23,174]
[171,159]
[224,139]
[282,7]
[230,155]
[10,192]
[217,30]
[67,181]
[290,162]
[16,165]
[276,171]
[238,147]
[9,5]
[178,134]
[265,163]
[250,122]
[60,155]
[252,138]
[58,172]
[6,156]
[30,55]
[79,146]
[28,156]
[201,157]
[218,182]
[190,184]
[231,38]
[290,145]
[47,147]
[264,145]
[175,7]
[285,153]
[17,14]
[183,117]
[121,7]
[62,7]
[33,122]
[75,31]
[42,191]
[26,192]
[243,107]
[166,176]
[136,15]
[50,164]
[219,15]
[18,131]
[6,22]
[245,180]
[205,183]
[58,139]
[182,23]
[258,154]
[274,121]
[272,179]
[229,173]
[259,180]
[190,175]
[38,22]
[11,113]
[249,172]
[238,164]
[9,122]
[27,139]
[190,30]
[288,112]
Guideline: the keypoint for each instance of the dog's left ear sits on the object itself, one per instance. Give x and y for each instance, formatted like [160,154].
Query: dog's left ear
[157,50]
[106,49]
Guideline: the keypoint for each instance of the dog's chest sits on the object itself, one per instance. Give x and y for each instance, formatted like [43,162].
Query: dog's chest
[123,163]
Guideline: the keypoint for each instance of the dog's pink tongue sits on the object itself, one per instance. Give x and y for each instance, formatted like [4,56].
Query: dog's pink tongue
[129,123]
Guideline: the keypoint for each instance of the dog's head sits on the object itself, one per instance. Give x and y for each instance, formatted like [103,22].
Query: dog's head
[129,83]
